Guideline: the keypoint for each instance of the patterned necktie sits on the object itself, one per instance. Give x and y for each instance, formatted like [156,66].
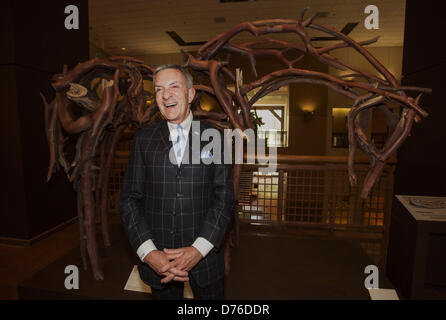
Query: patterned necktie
[179,145]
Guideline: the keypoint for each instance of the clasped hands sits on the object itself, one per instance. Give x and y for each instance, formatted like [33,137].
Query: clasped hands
[173,264]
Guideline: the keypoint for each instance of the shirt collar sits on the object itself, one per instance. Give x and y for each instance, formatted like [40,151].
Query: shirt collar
[186,124]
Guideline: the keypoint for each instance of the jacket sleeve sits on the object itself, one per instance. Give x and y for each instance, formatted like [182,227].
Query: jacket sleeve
[219,215]
[132,194]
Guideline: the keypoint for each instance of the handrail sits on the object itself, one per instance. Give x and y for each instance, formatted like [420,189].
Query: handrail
[297,159]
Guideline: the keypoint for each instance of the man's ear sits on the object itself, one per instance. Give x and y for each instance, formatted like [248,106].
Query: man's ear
[191,96]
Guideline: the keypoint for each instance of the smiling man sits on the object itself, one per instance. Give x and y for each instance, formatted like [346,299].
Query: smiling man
[176,214]
[174,94]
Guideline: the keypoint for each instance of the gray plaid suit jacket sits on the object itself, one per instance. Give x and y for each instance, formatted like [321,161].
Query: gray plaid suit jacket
[173,206]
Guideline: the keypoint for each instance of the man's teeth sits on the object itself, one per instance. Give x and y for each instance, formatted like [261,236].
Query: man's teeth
[171,105]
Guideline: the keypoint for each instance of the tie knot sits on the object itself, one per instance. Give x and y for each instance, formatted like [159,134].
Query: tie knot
[180,129]
[180,133]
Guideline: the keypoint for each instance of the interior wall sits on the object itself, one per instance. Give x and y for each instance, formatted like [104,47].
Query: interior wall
[37,46]
[390,57]
[421,168]
[96,51]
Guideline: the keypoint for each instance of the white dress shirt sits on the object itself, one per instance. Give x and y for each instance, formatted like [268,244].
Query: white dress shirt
[201,244]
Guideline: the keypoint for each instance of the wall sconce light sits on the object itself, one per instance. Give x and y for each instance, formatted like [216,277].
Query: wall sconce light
[308,111]
[308,115]
[206,107]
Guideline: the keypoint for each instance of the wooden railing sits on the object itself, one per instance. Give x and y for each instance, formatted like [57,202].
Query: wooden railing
[306,191]
[314,191]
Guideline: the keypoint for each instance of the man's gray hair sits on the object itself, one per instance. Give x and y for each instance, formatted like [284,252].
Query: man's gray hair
[187,76]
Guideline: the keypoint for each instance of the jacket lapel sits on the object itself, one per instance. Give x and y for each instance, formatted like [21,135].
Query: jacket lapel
[165,136]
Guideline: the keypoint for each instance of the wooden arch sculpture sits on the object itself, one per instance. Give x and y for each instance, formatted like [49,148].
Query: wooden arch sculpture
[366,91]
[94,102]
[99,98]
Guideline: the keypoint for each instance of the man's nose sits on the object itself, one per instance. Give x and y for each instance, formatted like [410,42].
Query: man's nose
[166,94]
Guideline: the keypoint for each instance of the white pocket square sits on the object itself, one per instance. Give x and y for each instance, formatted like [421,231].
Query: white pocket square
[205,154]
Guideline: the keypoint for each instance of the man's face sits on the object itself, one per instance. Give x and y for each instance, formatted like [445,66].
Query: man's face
[172,95]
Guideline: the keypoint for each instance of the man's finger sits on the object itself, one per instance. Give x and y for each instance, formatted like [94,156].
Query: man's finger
[173,251]
[182,279]
[178,272]
[170,265]
[168,278]
[172,256]
[163,273]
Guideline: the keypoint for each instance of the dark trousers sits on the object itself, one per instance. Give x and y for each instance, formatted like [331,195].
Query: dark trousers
[174,291]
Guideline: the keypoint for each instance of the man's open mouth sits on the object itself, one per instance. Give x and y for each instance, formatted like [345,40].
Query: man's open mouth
[170,105]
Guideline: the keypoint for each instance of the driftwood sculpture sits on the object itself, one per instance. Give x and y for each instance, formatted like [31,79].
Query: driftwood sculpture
[99,98]
[366,90]
[95,101]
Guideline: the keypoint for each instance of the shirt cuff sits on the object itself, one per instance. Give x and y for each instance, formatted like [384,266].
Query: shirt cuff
[202,245]
[145,248]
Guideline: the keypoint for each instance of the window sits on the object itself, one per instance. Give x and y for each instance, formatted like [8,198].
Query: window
[339,128]
[273,111]
[273,127]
